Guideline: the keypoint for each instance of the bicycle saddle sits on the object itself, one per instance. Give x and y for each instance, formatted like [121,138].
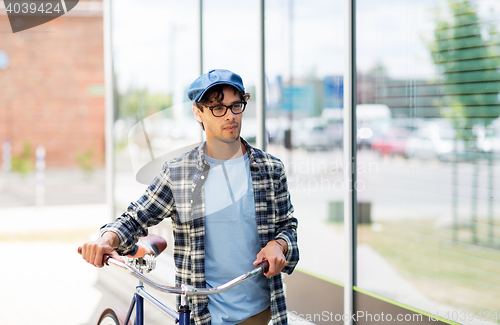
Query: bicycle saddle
[151,244]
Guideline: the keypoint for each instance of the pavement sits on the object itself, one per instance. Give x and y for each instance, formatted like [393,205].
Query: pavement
[45,281]
[52,288]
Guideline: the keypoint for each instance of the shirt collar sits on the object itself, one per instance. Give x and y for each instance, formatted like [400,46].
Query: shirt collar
[201,153]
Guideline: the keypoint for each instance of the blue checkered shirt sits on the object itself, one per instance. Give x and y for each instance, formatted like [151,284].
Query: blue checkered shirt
[177,193]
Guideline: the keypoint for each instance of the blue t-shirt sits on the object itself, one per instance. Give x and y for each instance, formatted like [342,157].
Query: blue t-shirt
[232,241]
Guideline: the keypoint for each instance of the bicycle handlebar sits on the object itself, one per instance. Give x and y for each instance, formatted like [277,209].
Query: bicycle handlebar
[188,290]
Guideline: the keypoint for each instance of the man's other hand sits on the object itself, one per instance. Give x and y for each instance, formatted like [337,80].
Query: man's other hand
[96,252]
[273,253]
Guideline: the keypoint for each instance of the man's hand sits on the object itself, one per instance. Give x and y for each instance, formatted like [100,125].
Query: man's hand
[95,252]
[273,253]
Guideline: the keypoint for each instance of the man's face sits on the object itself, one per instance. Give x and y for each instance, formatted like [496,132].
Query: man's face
[226,128]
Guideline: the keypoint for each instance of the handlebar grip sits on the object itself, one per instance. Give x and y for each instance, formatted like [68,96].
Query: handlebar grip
[265,266]
[106,257]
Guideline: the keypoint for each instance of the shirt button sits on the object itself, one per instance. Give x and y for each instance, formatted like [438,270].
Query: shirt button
[191,201]
[202,177]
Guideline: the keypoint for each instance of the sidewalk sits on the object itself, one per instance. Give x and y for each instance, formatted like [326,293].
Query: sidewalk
[47,285]
[45,281]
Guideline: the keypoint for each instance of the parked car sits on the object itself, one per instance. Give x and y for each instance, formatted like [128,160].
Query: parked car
[373,121]
[435,140]
[315,134]
[310,138]
[392,143]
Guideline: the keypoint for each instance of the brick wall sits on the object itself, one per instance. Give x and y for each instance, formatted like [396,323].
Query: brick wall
[52,92]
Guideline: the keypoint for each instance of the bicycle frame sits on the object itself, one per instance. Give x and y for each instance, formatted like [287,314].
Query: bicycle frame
[182,316]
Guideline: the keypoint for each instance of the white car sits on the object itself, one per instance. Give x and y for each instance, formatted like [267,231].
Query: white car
[432,143]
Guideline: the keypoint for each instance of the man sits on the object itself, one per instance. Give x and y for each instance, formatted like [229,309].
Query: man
[230,210]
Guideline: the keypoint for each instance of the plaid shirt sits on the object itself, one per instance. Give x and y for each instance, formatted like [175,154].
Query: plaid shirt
[177,193]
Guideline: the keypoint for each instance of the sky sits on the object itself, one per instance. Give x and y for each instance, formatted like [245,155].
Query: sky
[156,42]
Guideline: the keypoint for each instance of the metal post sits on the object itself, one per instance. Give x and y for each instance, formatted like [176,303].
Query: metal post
[109,107]
[261,81]
[473,224]
[490,201]
[288,136]
[202,133]
[40,176]
[454,191]
[349,157]
[6,156]
[201,35]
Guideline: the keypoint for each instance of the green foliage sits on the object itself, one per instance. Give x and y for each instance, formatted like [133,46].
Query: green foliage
[23,163]
[466,50]
[85,160]
[139,103]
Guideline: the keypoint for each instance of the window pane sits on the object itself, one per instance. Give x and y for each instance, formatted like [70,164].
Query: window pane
[154,66]
[304,63]
[428,163]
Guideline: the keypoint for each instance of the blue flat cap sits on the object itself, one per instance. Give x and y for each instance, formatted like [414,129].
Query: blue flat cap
[214,77]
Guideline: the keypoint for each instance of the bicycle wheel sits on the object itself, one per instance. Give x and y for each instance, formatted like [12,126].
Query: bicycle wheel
[112,317]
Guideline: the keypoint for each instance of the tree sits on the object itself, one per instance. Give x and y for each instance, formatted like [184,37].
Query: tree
[466,51]
[140,103]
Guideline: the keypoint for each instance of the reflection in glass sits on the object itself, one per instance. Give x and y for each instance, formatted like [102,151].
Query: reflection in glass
[433,241]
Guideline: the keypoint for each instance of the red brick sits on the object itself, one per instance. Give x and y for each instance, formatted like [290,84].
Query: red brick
[44,91]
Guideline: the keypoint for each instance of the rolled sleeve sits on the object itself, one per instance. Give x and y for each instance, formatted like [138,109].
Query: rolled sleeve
[286,227]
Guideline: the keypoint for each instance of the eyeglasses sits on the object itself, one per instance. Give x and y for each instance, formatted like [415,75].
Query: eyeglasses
[221,110]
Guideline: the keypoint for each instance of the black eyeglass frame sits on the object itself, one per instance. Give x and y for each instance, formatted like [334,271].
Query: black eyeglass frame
[211,108]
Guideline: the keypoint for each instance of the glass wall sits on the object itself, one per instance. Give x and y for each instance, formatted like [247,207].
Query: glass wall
[156,58]
[428,131]
[304,65]
[429,143]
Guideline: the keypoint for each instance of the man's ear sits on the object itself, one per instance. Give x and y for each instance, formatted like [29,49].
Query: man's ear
[197,113]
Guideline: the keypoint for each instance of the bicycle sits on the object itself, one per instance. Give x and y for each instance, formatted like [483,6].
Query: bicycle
[143,260]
